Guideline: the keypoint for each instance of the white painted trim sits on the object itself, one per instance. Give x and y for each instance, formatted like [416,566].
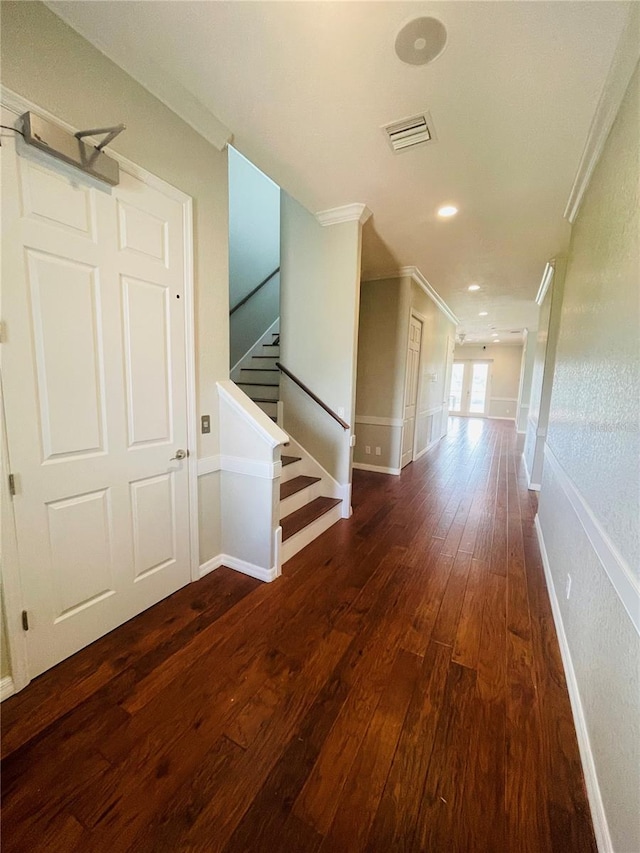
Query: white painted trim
[618,570]
[266,575]
[436,410]
[345,496]
[380,469]
[598,814]
[210,566]
[161,85]
[504,399]
[239,465]
[256,347]
[277,550]
[250,467]
[622,67]
[547,278]
[415,274]
[346,213]
[251,413]
[7,687]
[373,420]
[427,449]
[209,465]
[307,535]
[533,487]
[539,431]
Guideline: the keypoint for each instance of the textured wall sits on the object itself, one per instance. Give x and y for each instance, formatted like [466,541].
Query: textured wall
[605,650]
[594,433]
[594,427]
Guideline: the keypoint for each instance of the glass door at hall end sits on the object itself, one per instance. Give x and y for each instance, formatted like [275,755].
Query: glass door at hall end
[468,394]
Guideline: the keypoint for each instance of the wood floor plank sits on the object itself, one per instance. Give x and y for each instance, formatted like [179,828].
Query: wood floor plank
[399,688]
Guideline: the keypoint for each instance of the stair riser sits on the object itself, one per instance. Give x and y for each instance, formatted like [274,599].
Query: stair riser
[305,536]
[267,392]
[293,470]
[268,363]
[304,496]
[270,409]
[249,374]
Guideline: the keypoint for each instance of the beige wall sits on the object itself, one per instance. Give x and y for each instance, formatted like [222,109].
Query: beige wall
[385,310]
[528,361]
[51,65]
[506,363]
[319,299]
[594,434]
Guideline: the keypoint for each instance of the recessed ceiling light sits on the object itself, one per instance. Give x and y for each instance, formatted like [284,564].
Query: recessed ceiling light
[497,341]
[474,287]
[483,314]
[447,210]
[421,41]
[494,335]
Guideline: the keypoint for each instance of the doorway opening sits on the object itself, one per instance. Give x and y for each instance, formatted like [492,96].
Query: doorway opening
[469,391]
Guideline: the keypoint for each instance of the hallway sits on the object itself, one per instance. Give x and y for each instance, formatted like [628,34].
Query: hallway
[399,688]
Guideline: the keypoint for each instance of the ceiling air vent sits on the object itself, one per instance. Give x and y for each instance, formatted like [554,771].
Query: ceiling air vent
[410,131]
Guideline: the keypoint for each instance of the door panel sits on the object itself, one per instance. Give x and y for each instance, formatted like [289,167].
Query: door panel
[411,391]
[94,372]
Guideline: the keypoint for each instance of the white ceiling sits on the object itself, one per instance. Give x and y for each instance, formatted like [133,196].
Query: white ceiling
[306,86]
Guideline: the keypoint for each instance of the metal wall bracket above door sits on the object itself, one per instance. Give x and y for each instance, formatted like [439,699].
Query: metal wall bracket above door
[48,136]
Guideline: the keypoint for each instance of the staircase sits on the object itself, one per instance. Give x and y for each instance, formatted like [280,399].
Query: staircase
[306,509]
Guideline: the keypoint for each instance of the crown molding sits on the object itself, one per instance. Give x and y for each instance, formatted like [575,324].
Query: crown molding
[347,213]
[415,275]
[622,67]
[160,84]
[547,278]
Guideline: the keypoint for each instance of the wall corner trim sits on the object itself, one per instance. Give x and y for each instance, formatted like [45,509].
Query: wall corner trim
[362,466]
[266,575]
[251,413]
[7,687]
[547,277]
[598,814]
[616,567]
[347,213]
[622,67]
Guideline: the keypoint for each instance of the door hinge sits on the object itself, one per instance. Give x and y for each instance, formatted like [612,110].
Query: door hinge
[12,485]
[25,620]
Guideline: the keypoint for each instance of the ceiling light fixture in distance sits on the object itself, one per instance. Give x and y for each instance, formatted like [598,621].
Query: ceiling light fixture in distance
[474,287]
[483,314]
[447,211]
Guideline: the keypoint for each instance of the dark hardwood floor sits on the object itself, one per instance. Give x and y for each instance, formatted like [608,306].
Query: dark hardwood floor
[400,688]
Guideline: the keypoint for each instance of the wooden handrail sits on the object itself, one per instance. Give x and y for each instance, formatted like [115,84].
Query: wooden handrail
[316,399]
[255,290]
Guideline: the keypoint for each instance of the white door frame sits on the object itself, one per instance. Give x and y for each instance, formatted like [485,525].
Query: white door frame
[465,381]
[16,105]
[413,314]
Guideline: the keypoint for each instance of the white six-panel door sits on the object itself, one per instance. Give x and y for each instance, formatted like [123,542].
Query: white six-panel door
[411,390]
[94,372]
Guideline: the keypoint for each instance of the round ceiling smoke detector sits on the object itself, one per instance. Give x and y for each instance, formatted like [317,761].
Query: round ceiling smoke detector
[421,41]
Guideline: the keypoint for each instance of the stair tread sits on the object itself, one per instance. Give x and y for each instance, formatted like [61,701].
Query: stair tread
[289,460]
[262,399]
[259,370]
[304,516]
[295,485]
[260,384]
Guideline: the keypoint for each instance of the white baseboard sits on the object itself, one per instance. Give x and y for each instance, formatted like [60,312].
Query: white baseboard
[266,575]
[306,536]
[380,469]
[534,487]
[7,687]
[598,814]
[254,349]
